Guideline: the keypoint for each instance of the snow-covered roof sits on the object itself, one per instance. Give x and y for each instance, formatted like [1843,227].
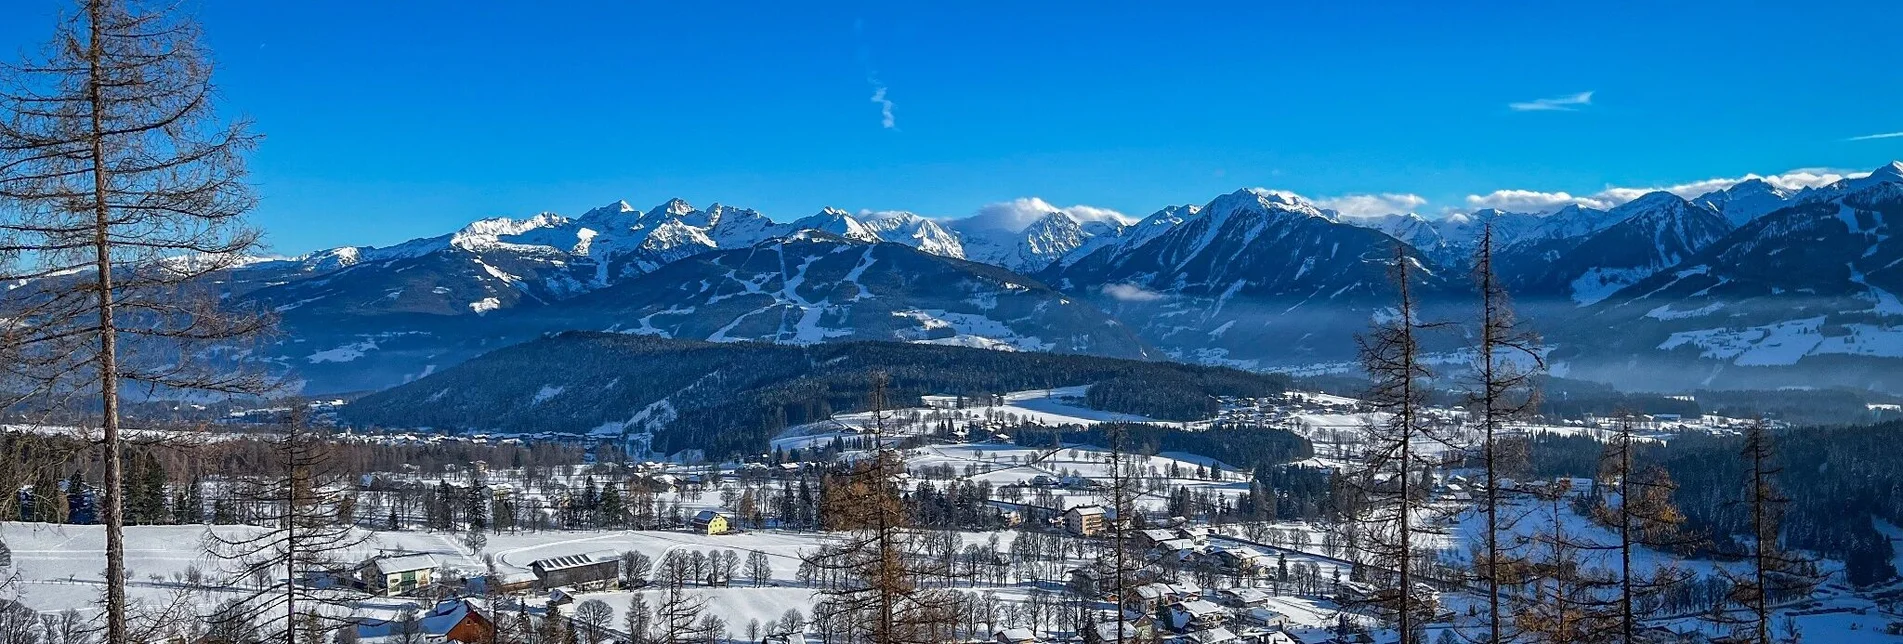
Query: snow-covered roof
[1199,607]
[1214,636]
[406,563]
[565,562]
[1017,635]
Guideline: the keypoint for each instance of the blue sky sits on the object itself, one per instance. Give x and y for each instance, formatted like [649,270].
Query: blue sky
[392,120]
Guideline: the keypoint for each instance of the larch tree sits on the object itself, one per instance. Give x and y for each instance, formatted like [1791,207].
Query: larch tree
[302,530]
[121,189]
[1643,516]
[1506,358]
[1388,501]
[873,574]
[1120,496]
[1772,573]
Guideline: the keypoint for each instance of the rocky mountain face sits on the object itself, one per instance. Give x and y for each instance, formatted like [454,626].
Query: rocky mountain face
[1255,278]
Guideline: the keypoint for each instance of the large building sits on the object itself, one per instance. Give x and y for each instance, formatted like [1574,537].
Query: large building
[581,572]
[1084,520]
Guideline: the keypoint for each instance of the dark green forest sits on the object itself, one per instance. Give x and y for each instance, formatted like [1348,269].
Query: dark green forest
[730,398]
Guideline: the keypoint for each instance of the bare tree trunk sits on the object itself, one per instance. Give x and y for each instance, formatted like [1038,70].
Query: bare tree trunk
[114,509]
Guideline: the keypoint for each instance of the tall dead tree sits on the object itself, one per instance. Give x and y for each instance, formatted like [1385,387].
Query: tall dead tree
[1120,497]
[1506,358]
[303,526]
[121,190]
[1643,516]
[1389,505]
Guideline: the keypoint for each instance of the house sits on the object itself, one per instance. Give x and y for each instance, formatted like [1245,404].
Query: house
[1084,520]
[708,522]
[1241,558]
[399,574]
[1167,546]
[451,620]
[1016,636]
[1242,597]
[1264,617]
[582,572]
[459,620]
[1217,635]
[1194,615]
[1153,538]
[1130,632]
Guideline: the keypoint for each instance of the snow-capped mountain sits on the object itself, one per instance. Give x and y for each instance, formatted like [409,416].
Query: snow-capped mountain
[1248,266]
[1810,289]
[1253,278]
[1746,200]
[815,287]
[1046,240]
[1652,233]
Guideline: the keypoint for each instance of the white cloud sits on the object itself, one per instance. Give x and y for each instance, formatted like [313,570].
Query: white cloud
[1569,103]
[1536,201]
[1871,137]
[885,107]
[1015,214]
[1131,293]
[1372,205]
[1529,201]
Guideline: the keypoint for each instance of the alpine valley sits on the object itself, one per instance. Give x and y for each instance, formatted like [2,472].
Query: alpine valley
[1751,286]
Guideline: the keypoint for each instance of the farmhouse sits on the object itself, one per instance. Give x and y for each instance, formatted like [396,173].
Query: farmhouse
[582,572]
[399,574]
[708,522]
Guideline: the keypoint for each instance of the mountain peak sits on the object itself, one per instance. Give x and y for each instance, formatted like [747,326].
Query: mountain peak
[1891,172]
[675,207]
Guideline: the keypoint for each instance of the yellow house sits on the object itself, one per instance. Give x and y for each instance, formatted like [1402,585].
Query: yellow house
[708,522]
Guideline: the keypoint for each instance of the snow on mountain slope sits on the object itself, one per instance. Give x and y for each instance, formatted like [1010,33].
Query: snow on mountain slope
[1813,287]
[1746,200]
[1249,265]
[1652,233]
[816,287]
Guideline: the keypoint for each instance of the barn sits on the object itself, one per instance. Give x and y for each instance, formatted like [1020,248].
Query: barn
[581,572]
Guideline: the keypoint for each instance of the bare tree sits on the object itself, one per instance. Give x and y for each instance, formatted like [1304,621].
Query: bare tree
[1506,357]
[676,617]
[1772,573]
[303,529]
[594,615]
[1643,517]
[1388,498]
[1120,496]
[121,190]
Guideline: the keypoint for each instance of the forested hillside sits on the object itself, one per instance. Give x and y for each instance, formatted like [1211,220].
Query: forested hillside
[729,398]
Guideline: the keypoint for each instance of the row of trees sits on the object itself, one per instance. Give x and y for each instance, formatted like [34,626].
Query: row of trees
[1542,577]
